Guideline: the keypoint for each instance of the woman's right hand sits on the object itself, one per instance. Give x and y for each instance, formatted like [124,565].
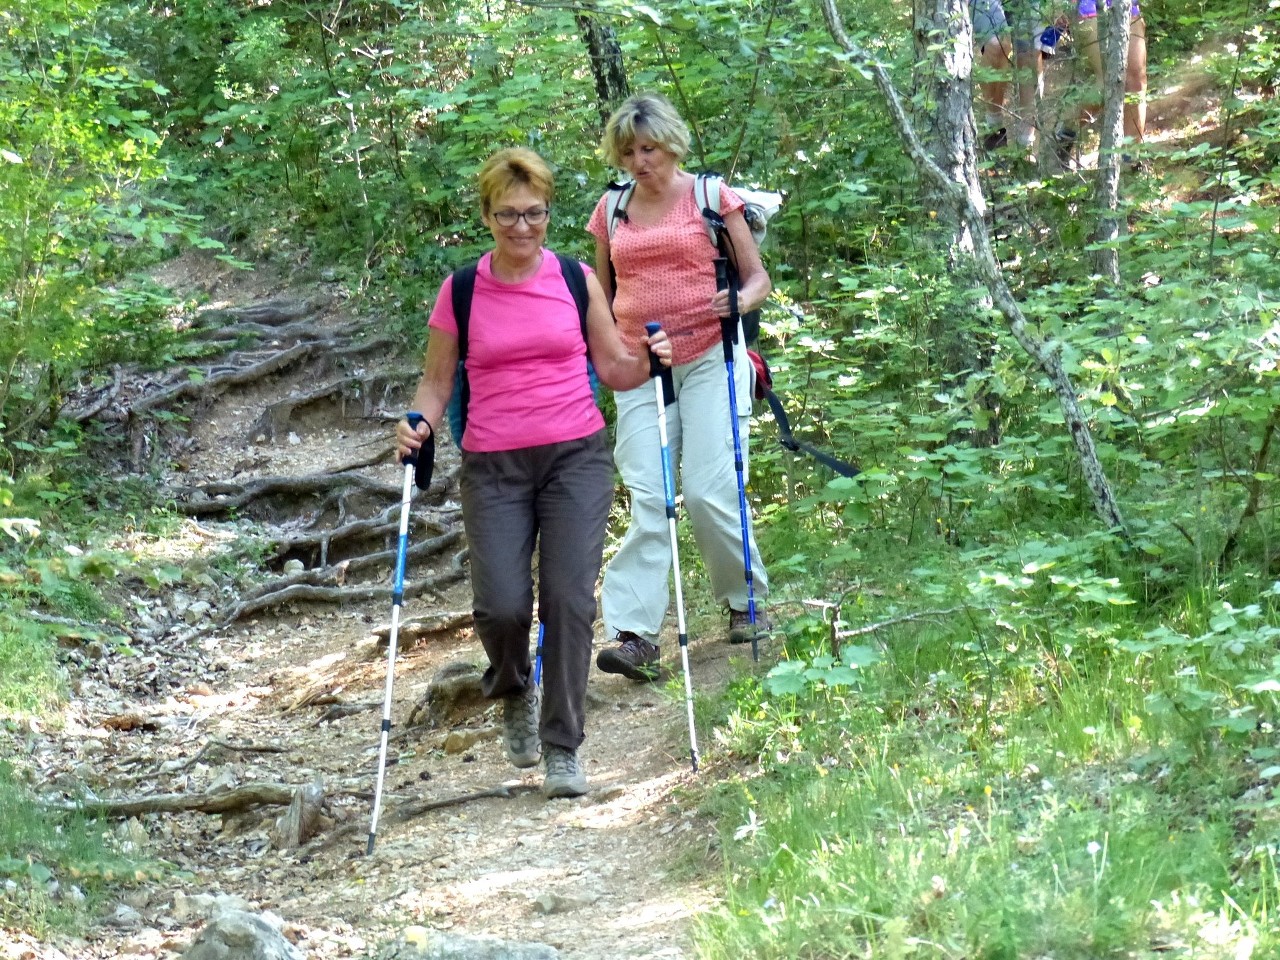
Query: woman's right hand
[409,440]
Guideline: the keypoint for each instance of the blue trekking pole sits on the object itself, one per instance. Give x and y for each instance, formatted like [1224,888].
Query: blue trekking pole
[729,336]
[423,477]
[537,655]
[665,389]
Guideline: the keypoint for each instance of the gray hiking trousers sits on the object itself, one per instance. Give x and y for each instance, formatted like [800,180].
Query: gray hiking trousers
[556,495]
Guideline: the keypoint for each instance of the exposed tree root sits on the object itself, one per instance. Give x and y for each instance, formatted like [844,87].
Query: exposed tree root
[233,496]
[216,381]
[269,313]
[314,593]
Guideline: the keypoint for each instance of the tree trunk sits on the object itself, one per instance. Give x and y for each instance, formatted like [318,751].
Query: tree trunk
[1113,35]
[607,68]
[943,35]
[967,195]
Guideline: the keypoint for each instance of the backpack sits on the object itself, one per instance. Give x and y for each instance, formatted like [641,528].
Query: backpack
[760,206]
[464,286]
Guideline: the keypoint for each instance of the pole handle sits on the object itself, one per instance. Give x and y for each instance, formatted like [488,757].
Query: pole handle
[656,369]
[411,458]
[729,324]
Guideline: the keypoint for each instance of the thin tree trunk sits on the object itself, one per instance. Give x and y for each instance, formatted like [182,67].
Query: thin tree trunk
[1114,37]
[607,66]
[943,34]
[968,196]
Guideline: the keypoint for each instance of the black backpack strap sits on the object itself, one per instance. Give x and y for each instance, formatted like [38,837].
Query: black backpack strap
[575,278]
[788,440]
[464,287]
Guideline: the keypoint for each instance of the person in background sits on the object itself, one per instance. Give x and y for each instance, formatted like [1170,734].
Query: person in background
[657,264]
[1135,76]
[1034,34]
[1033,37]
[535,460]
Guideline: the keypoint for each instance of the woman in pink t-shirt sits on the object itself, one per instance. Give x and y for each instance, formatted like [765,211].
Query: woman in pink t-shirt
[657,264]
[535,460]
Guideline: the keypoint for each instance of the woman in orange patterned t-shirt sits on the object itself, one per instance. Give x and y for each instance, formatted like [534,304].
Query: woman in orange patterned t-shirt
[659,265]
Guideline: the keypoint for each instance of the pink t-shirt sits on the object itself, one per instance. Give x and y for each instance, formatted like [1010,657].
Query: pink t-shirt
[526,361]
[666,273]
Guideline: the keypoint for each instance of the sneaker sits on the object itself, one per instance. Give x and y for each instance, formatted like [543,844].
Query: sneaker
[564,773]
[1064,144]
[634,657]
[740,627]
[520,715]
[996,139]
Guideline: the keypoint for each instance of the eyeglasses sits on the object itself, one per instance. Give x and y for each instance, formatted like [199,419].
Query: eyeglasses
[534,218]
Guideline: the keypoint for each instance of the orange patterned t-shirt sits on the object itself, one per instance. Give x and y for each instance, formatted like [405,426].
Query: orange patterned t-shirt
[666,273]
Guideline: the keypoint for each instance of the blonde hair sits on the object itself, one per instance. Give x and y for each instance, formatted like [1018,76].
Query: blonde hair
[648,115]
[512,166]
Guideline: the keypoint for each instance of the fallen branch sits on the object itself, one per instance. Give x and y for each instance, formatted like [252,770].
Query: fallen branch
[228,800]
[894,621]
[214,744]
[407,811]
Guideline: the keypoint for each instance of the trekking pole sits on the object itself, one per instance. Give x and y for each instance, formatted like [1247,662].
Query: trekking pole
[665,390]
[537,655]
[410,462]
[729,336]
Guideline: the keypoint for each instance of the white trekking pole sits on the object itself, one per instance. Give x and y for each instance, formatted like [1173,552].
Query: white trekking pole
[665,390]
[424,458]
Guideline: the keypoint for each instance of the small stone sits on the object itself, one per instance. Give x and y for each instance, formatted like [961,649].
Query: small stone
[294,566]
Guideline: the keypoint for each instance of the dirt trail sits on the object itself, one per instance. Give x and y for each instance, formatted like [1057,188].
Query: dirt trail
[616,874]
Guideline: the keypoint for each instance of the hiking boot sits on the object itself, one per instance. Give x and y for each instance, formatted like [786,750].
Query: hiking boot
[564,773]
[634,657]
[520,727]
[741,629]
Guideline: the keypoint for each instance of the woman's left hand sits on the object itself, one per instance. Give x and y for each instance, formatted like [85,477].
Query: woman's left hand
[660,346]
[720,304]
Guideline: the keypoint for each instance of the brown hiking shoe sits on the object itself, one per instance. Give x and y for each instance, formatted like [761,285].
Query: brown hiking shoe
[741,629]
[634,657]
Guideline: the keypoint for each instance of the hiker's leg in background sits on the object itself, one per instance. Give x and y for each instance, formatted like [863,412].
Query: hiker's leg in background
[1086,41]
[989,27]
[708,477]
[573,508]
[1135,82]
[497,512]
[636,592]
[1026,25]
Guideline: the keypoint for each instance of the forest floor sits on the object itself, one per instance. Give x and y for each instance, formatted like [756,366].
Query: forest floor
[225,685]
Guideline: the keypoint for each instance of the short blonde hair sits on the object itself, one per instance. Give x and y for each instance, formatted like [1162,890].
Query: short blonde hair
[512,166]
[648,115]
